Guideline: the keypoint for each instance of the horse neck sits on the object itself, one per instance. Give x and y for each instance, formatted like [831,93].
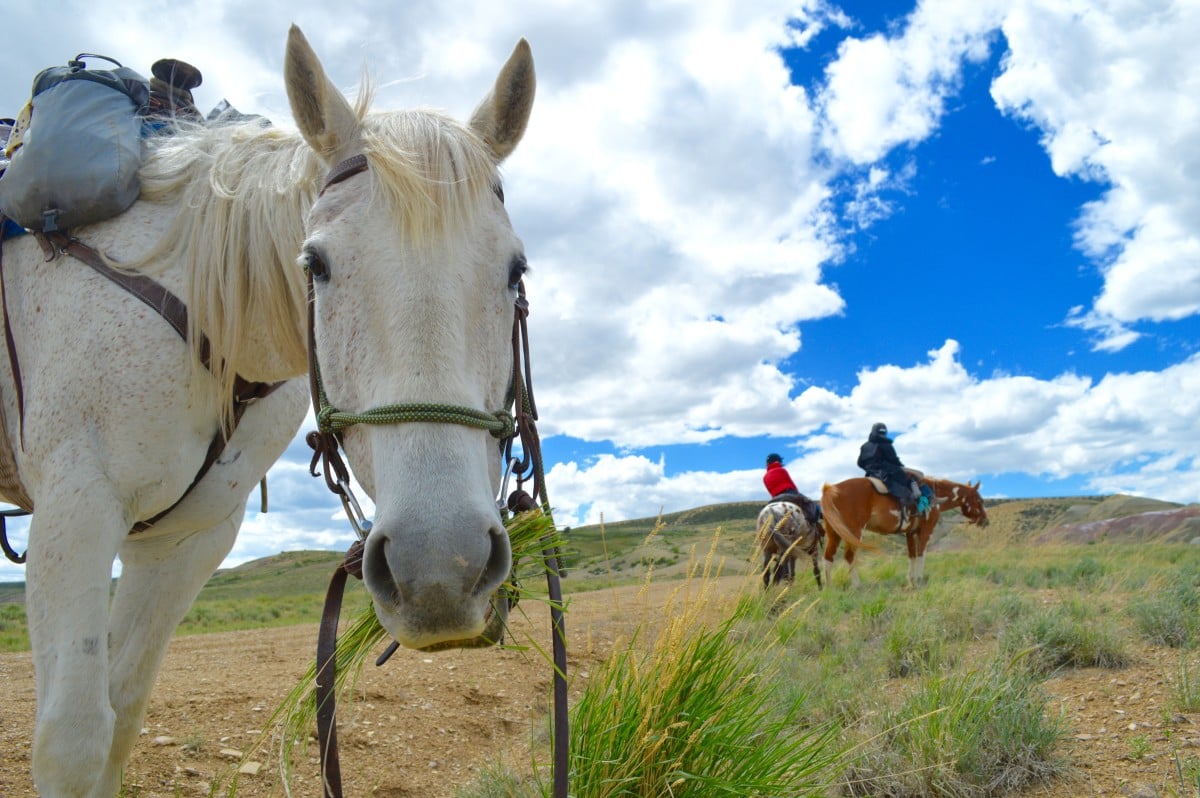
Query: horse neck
[949,494]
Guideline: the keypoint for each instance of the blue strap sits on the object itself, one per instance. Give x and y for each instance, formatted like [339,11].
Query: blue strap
[10,229]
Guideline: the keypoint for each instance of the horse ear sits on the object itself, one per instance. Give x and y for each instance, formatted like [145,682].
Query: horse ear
[501,118]
[322,114]
[976,486]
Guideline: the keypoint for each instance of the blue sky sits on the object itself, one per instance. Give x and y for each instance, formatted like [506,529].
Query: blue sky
[763,229]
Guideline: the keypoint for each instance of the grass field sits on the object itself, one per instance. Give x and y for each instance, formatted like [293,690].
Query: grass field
[880,691]
[876,691]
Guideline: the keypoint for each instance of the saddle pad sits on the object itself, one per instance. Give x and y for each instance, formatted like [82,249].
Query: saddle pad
[877,483]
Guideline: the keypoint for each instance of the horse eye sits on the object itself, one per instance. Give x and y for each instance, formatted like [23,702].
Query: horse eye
[498,190]
[516,270]
[315,265]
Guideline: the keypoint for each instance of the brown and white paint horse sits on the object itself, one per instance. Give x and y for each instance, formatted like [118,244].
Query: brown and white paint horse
[854,505]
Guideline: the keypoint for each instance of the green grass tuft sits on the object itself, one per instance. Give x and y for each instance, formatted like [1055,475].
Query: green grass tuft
[694,713]
[982,733]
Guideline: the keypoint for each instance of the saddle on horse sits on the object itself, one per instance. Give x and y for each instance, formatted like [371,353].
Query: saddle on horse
[810,508]
[909,489]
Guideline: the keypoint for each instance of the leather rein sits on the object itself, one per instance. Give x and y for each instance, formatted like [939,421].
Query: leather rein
[504,425]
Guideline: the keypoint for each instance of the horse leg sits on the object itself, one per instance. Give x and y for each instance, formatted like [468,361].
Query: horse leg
[73,539]
[855,582]
[160,578]
[922,541]
[914,576]
[766,571]
[816,570]
[831,546]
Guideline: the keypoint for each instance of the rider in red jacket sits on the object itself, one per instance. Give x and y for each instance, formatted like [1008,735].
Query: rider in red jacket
[777,479]
[781,487]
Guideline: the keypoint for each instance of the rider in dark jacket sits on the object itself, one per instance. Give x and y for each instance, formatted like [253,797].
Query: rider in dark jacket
[878,458]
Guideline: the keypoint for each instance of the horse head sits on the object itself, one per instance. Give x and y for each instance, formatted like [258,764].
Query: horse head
[972,505]
[415,271]
[965,497]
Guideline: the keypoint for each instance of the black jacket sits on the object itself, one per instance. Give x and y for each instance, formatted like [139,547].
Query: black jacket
[878,458]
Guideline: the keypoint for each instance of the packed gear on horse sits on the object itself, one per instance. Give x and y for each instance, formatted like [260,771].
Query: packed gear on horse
[8,227]
[75,148]
[71,157]
[780,486]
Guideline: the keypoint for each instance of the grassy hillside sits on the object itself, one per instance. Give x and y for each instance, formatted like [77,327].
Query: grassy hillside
[289,588]
[1088,519]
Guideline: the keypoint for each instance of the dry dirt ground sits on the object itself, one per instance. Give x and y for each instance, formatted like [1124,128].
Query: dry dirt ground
[424,724]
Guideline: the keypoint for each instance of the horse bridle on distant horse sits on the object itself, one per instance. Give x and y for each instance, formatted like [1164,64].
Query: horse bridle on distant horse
[503,425]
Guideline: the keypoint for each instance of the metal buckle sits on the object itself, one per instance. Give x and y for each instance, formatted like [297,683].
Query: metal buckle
[502,499]
[360,523]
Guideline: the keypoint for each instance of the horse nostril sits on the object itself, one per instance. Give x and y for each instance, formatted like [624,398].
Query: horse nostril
[377,573]
[498,565]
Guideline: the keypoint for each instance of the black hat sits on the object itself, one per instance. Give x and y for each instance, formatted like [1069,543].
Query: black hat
[879,429]
[774,458]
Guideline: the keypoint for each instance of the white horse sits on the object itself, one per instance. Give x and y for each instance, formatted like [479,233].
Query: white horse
[415,269]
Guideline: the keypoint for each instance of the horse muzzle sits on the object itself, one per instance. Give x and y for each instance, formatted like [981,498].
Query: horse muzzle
[434,589]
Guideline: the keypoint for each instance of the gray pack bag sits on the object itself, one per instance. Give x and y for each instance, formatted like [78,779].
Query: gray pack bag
[77,161]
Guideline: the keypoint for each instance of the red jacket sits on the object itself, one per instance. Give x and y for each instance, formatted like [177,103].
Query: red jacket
[777,479]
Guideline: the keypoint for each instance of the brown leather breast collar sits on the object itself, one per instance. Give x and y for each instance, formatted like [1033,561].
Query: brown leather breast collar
[173,310]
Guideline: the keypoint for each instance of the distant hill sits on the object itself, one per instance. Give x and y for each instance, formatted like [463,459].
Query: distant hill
[673,542]
[1091,519]
[612,550]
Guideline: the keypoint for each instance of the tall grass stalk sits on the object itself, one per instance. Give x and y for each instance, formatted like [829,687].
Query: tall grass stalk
[1186,687]
[694,713]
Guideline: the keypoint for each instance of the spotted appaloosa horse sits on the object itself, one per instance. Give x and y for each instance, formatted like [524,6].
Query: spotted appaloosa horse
[854,505]
[783,534]
[395,223]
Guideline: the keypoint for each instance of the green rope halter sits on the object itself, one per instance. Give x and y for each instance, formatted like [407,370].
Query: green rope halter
[500,424]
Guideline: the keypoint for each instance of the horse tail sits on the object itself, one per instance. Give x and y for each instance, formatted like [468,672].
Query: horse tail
[785,545]
[834,522]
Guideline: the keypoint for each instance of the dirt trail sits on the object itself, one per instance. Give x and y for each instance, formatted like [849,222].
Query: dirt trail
[423,724]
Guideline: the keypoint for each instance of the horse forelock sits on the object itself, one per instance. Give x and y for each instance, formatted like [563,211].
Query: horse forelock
[243,192]
[430,171]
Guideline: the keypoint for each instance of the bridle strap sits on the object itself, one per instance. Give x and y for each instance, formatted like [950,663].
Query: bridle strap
[347,168]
